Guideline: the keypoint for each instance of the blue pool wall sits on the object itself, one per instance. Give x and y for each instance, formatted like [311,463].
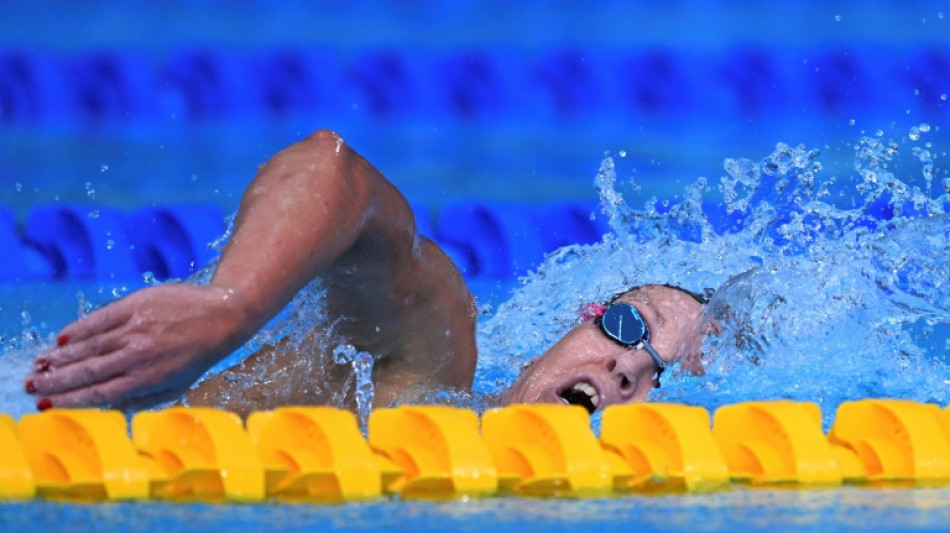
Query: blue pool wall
[128,130]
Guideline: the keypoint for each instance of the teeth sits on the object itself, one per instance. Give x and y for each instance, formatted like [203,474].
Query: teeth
[589,390]
[583,394]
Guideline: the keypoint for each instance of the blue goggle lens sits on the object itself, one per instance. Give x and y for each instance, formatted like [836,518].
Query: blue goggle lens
[623,323]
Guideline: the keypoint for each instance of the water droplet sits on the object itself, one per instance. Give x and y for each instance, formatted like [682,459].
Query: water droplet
[363,370]
[344,353]
[104,168]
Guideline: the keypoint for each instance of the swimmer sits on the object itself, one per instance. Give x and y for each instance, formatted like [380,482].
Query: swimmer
[319,210]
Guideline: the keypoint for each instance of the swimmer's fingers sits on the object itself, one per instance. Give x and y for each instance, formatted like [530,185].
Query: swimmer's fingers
[162,338]
[88,374]
[104,393]
[116,392]
[73,352]
[100,321]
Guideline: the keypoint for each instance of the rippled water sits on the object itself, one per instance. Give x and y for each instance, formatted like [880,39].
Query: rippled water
[846,509]
[829,286]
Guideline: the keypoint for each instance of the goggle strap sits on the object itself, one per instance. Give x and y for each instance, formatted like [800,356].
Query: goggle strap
[660,363]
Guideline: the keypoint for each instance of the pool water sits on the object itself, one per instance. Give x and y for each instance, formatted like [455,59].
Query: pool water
[795,165]
[891,289]
[846,509]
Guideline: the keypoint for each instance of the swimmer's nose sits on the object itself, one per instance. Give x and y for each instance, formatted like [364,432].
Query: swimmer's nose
[623,377]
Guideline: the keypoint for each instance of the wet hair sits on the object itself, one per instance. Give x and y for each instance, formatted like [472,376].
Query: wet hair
[702,297]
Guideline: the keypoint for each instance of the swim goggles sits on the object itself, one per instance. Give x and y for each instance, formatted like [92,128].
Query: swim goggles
[622,323]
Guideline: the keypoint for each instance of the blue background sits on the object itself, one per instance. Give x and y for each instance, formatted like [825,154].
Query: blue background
[128,129]
[111,112]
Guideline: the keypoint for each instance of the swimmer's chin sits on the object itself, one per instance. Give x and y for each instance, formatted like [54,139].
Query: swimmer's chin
[518,394]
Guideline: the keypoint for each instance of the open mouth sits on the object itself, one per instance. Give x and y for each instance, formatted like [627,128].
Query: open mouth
[582,393]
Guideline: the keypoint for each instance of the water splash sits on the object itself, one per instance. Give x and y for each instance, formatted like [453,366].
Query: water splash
[362,365]
[829,288]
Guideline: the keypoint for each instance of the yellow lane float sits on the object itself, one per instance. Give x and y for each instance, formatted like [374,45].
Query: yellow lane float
[775,442]
[438,450]
[895,440]
[200,454]
[83,454]
[546,450]
[667,447]
[317,454]
[16,476]
[314,454]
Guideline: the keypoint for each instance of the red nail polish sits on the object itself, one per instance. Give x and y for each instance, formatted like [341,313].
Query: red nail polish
[30,387]
[62,340]
[41,364]
[44,404]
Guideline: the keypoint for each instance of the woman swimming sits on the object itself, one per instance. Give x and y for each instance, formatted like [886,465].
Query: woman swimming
[318,210]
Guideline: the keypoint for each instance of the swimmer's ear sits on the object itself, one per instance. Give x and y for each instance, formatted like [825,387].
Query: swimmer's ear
[692,362]
[711,327]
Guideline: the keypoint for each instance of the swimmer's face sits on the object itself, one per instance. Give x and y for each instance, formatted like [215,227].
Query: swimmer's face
[587,368]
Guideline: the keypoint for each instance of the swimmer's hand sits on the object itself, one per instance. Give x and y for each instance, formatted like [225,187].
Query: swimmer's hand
[144,349]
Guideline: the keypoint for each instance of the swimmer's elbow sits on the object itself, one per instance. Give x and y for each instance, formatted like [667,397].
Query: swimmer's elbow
[327,144]
[319,165]
[325,136]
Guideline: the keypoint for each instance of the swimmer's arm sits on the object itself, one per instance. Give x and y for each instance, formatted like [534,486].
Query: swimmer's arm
[307,206]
